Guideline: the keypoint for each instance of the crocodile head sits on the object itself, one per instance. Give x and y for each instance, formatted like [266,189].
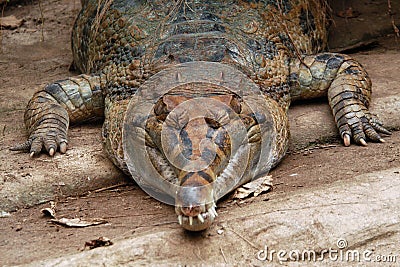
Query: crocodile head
[194,138]
[196,141]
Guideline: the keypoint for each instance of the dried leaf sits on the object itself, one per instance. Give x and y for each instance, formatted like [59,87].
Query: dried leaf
[10,22]
[99,242]
[256,187]
[50,212]
[77,222]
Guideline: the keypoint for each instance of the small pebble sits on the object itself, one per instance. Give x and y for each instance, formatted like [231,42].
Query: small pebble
[4,214]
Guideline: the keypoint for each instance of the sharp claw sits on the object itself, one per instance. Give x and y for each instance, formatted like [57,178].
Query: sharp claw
[52,151]
[381,129]
[215,212]
[200,217]
[63,148]
[32,154]
[382,140]
[362,142]
[346,139]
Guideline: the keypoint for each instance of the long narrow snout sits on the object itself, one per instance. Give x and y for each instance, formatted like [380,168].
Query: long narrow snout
[197,145]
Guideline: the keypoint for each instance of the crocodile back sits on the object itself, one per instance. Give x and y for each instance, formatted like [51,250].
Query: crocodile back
[130,40]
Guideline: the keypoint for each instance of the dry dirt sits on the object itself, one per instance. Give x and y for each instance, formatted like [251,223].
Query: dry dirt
[32,57]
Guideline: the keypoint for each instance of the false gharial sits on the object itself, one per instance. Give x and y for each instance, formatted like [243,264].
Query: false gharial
[194,94]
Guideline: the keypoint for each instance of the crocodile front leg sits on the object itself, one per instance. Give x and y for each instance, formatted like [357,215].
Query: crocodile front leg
[51,109]
[348,87]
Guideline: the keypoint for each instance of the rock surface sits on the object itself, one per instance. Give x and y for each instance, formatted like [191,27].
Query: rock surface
[349,222]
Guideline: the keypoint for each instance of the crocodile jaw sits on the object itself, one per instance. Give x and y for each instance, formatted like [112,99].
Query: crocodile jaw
[199,222]
[194,203]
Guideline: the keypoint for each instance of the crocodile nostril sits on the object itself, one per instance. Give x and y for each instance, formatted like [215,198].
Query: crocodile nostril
[191,211]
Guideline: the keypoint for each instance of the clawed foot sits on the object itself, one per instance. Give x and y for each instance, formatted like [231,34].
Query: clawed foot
[51,141]
[361,129]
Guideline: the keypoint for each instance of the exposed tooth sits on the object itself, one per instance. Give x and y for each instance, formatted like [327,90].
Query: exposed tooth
[180,219]
[212,215]
[213,211]
[200,217]
[190,220]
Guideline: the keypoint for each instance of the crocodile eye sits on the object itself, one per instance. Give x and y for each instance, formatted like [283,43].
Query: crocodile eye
[167,104]
[177,119]
[217,118]
[212,123]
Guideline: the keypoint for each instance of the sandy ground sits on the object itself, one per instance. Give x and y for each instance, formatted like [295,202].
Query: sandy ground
[35,54]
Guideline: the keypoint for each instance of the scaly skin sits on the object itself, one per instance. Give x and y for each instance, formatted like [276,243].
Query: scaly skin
[155,65]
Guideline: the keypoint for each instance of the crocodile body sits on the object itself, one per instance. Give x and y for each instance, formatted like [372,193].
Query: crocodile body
[151,67]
